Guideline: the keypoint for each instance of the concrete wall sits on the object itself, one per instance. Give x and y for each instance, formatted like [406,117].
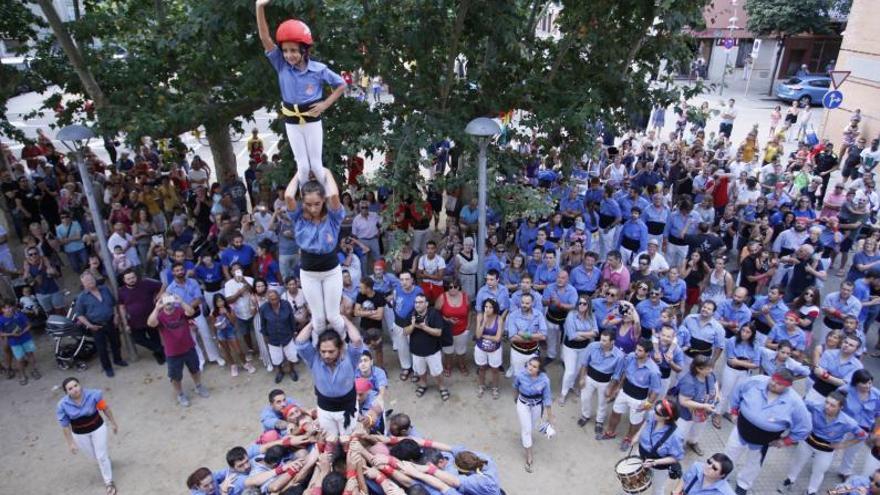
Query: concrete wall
[860,53]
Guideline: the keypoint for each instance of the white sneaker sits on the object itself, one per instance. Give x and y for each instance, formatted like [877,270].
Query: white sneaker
[233,370]
[250,368]
[249,356]
[269,368]
[221,362]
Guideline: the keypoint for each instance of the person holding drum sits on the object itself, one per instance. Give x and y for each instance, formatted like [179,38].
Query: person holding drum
[706,478]
[533,404]
[698,393]
[598,365]
[832,430]
[660,444]
[639,379]
[766,408]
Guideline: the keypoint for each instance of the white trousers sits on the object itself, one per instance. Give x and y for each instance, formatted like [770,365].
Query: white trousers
[750,467]
[570,358]
[323,291]
[690,431]
[195,336]
[626,255]
[848,460]
[307,142]
[661,476]
[333,423]
[871,464]
[821,463]
[730,378]
[518,361]
[664,385]
[606,240]
[591,387]
[94,445]
[529,420]
[211,349]
[401,343]
[675,254]
[554,336]
[265,357]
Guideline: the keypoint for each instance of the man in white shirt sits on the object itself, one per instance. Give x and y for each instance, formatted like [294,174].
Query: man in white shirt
[728,115]
[125,242]
[658,266]
[237,291]
[430,272]
[365,227]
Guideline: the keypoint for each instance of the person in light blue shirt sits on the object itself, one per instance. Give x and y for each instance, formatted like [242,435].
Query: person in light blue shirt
[629,200]
[742,354]
[525,287]
[333,370]
[706,478]
[703,335]
[838,305]
[639,385]
[606,309]
[655,216]
[585,277]
[546,272]
[526,234]
[609,218]
[579,329]
[525,328]
[788,330]
[733,313]
[69,234]
[835,369]
[771,362]
[493,290]
[533,404]
[81,413]
[302,82]
[560,298]
[680,224]
[698,393]
[271,417]
[832,430]
[674,289]
[769,414]
[863,405]
[598,364]
[649,311]
[769,310]
[317,220]
[632,236]
[660,442]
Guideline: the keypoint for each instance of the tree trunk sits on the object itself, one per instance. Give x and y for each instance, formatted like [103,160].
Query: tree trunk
[775,71]
[221,150]
[73,54]
[77,11]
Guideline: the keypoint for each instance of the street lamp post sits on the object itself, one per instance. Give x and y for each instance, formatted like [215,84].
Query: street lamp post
[482,128]
[75,138]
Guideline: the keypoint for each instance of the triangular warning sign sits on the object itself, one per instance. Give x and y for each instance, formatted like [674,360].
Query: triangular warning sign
[838,76]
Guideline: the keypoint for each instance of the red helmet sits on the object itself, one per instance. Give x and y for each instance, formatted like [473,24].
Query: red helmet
[295,31]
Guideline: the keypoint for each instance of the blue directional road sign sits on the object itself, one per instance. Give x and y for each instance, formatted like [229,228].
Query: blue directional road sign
[832,99]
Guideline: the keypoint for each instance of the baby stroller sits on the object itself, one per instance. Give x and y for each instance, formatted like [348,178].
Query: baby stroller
[74,346]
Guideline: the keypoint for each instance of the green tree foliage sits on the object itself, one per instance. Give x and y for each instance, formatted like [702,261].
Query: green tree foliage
[18,24]
[200,62]
[781,18]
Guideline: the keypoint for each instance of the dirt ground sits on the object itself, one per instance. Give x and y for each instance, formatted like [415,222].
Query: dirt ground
[160,443]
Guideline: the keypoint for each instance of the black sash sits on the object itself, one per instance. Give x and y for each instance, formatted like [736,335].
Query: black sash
[753,434]
[597,375]
[630,243]
[832,324]
[761,327]
[699,347]
[638,393]
[678,241]
[665,372]
[605,220]
[738,368]
[346,404]
[821,386]
[819,443]
[314,262]
[655,228]
[785,251]
[527,349]
[556,315]
[86,424]
[575,344]
[298,110]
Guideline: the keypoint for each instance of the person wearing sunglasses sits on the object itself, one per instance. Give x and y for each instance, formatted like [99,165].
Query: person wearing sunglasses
[706,478]
[580,329]
[660,444]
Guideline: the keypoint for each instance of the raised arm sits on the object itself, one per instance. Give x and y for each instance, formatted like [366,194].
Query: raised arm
[332,190]
[263,26]
[290,193]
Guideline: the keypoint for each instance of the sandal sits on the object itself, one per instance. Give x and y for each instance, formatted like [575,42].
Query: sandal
[35,373]
[625,444]
[605,436]
[444,394]
[495,393]
[528,467]
[481,390]
[414,378]
[716,421]
[404,375]
[420,390]
[447,372]
[111,488]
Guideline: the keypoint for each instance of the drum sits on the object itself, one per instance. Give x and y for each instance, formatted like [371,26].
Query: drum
[633,476]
